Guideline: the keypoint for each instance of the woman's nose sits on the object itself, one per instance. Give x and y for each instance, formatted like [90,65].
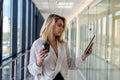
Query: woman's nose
[61,29]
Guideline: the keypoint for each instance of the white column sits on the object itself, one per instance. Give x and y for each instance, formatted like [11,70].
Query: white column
[69,36]
[77,37]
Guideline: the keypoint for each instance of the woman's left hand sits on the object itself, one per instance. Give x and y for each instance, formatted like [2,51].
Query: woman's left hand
[87,53]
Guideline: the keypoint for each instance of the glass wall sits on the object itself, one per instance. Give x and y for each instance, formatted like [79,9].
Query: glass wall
[6,27]
[73,37]
[7,8]
[103,20]
[16,37]
[114,37]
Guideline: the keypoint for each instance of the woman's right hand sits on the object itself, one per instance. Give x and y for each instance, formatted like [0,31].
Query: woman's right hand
[43,53]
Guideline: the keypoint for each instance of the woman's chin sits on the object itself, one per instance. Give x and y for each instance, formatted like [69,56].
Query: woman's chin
[57,35]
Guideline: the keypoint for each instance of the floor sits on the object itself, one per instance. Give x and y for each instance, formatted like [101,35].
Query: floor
[72,75]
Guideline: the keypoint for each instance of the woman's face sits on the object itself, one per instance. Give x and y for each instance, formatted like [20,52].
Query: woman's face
[59,27]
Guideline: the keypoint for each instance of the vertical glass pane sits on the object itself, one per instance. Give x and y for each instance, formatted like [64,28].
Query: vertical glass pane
[91,64]
[84,38]
[110,33]
[6,73]
[73,37]
[19,68]
[6,28]
[102,66]
[117,31]
[6,37]
[98,37]
[84,29]
[95,24]
[103,36]
[115,40]
[116,49]
[19,36]
[19,39]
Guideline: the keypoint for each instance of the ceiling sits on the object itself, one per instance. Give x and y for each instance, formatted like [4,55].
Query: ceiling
[66,8]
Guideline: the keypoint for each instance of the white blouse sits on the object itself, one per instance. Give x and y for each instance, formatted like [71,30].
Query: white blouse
[51,64]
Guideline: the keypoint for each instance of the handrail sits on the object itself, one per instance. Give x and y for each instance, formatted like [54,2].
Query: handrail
[15,54]
[12,56]
[14,59]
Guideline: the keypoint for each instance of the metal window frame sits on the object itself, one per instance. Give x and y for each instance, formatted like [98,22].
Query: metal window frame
[33,31]
[14,26]
[1,21]
[23,36]
[29,24]
[32,23]
[29,32]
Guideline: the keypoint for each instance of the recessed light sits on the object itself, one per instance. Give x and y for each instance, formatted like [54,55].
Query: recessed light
[65,4]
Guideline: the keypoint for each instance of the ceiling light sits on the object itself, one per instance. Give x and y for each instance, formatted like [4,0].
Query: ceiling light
[65,4]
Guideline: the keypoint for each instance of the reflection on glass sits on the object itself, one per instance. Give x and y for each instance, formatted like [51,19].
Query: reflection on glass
[105,19]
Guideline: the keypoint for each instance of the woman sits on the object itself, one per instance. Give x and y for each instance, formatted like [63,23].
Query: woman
[53,64]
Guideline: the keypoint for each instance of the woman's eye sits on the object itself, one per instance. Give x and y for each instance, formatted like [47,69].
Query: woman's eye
[60,25]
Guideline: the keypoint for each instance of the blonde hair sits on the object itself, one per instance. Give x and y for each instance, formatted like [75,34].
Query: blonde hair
[47,29]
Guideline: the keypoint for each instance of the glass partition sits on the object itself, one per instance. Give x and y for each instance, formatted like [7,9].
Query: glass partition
[73,37]
[103,20]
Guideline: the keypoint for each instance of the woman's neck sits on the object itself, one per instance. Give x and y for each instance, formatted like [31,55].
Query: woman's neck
[53,40]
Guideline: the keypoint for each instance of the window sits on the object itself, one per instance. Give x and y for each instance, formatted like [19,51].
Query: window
[6,36]
[6,28]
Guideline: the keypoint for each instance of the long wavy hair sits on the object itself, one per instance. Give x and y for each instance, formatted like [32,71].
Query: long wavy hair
[48,26]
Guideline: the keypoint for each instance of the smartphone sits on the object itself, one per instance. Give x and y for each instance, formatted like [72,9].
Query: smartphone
[47,46]
[90,44]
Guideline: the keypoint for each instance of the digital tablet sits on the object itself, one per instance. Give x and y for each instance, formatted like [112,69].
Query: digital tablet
[89,45]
